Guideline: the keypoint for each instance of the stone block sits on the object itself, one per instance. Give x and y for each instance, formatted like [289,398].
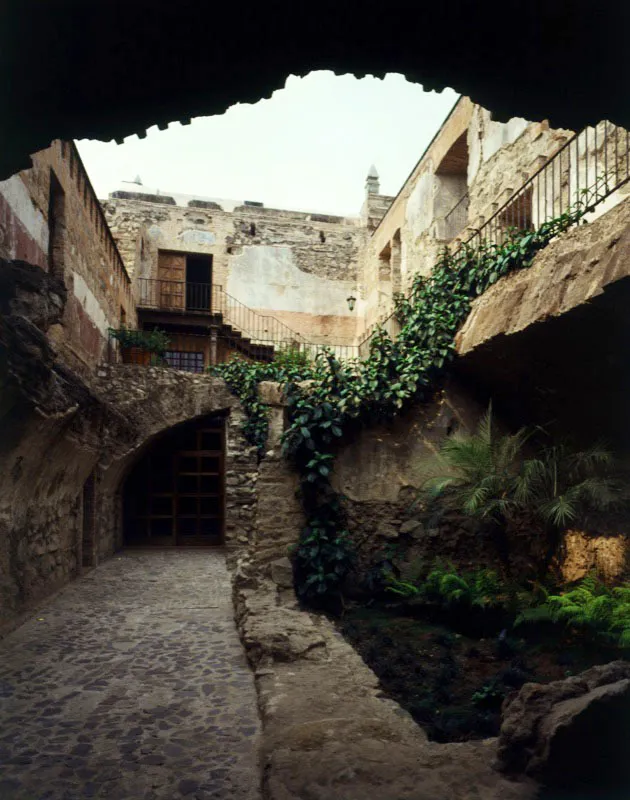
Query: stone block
[412,526]
[282,573]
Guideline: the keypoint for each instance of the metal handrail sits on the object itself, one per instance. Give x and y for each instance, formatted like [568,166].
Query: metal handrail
[589,167]
[206,298]
[457,218]
[262,330]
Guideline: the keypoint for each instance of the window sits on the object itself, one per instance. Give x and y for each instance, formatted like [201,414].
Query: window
[56,227]
[185,361]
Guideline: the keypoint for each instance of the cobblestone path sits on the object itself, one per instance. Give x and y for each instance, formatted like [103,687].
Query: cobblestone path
[131,683]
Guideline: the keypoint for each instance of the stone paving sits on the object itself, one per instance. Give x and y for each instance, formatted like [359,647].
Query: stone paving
[131,683]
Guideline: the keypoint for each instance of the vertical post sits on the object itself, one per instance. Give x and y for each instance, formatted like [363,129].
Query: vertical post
[213,347]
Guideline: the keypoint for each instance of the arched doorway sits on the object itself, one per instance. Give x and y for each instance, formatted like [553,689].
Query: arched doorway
[175,494]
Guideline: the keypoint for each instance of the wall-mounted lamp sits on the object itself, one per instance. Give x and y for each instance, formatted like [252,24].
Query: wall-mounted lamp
[351,301]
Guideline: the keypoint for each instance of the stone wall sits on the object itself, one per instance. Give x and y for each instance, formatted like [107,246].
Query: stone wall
[296,267]
[502,158]
[153,400]
[316,695]
[49,216]
[279,518]
[61,431]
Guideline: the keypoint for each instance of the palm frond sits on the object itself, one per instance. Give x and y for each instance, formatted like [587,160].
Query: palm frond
[594,458]
[559,511]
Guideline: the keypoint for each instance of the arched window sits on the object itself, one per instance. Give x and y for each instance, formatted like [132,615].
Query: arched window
[450,204]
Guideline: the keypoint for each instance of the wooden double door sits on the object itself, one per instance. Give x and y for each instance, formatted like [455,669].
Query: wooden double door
[175,495]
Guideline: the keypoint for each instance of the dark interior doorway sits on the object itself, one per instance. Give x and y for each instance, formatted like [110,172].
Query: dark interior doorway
[175,494]
[198,282]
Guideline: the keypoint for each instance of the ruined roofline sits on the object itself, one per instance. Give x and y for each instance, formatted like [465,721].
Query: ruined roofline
[225,206]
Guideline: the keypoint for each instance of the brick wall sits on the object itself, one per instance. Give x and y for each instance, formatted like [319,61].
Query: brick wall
[50,216]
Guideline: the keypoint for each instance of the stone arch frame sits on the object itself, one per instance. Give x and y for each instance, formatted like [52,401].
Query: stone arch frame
[163,399]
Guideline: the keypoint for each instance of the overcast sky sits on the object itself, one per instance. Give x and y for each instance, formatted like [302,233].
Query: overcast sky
[308,147]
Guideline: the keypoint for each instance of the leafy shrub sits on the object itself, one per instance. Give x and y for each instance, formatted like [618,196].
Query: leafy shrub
[590,606]
[293,363]
[243,377]
[486,475]
[322,559]
[395,374]
[156,341]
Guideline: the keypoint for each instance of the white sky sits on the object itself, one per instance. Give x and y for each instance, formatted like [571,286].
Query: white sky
[308,147]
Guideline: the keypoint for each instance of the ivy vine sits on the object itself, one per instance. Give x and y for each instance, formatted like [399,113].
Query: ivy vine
[396,373]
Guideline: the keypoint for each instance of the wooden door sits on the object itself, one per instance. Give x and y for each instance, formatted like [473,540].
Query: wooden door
[200,493]
[172,280]
[176,494]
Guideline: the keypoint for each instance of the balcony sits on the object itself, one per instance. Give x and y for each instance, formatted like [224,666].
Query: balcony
[179,296]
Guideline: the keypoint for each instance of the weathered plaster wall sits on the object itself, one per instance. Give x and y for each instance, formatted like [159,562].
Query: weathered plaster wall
[83,251]
[23,226]
[409,217]
[268,279]
[295,266]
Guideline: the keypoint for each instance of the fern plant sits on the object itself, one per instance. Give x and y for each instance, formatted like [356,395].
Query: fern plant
[477,473]
[445,586]
[590,606]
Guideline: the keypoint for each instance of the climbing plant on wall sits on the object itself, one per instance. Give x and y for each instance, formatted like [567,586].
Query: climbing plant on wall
[395,374]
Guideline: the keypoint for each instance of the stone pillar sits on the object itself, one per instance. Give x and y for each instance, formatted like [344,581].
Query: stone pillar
[279,517]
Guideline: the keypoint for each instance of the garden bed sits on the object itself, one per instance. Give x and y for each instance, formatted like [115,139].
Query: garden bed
[452,673]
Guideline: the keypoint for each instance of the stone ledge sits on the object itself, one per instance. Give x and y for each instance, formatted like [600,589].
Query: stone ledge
[327,730]
[570,271]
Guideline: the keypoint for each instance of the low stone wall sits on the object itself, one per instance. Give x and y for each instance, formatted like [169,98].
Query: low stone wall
[328,730]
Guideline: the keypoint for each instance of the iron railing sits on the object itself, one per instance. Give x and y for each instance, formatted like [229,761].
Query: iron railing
[260,329]
[179,296]
[196,352]
[457,218]
[211,299]
[590,167]
[587,169]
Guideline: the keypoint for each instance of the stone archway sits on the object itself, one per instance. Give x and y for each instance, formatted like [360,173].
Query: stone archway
[175,492]
[158,403]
